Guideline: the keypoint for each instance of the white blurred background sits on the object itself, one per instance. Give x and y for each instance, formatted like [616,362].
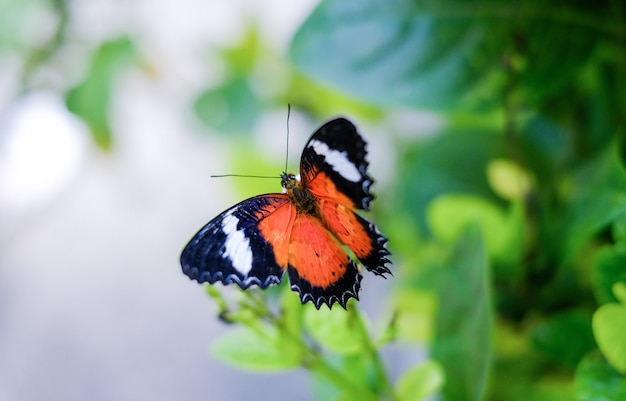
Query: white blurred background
[93,305]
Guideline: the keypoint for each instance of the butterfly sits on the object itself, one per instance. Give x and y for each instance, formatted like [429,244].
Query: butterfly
[311,230]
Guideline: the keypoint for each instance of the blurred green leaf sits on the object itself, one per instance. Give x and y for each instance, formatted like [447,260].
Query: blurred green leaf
[356,368]
[609,327]
[609,268]
[619,230]
[619,289]
[445,54]
[420,382]
[449,215]
[598,198]
[565,337]
[261,351]
[414,312]
[90,100]
[464,320]
[338,330]
[508,179]
[232,107]
[596,380]
[455,161]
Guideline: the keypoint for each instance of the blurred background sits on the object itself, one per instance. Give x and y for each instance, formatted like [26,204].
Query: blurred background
[96,203]
[496,137]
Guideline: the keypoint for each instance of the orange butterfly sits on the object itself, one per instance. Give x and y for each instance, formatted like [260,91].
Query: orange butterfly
[303,230]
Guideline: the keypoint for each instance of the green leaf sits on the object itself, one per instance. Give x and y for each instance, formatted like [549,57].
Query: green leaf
[619,289]
[420,382]
[449,215]
[454,161]
[596,380]
[269,350]
[609,328]
[608,269]
[90,100]
[619,229]
[413,319]
[232,107]
[445,54]
[354,368]
[565,337]
[463,323]
[508,179]
[338,330]
[598,198]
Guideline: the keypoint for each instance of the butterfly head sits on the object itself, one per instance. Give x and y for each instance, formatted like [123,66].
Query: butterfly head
[288,181]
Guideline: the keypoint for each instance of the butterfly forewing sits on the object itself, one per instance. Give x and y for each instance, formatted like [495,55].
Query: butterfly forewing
[335,154]
[232,248]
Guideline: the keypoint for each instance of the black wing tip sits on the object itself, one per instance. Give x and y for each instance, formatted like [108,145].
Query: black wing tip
[376,262]
[319,300]
[243,282]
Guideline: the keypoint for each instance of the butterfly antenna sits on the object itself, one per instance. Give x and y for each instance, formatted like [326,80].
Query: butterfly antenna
[244,176]
[287,150]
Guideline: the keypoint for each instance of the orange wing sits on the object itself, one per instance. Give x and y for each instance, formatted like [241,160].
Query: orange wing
[319,270]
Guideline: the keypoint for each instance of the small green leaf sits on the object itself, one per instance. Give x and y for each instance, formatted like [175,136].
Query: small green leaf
[508,179]
[597,380]
[252,350]
[609,328]
[90,100]
[336,329]
[420,382]
[619,289]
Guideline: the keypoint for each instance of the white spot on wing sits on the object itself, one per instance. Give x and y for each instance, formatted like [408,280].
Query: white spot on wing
[337,160]
[237,245]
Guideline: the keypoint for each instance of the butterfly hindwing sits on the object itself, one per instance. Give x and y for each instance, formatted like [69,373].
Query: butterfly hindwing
[358,234]
[239,246]
[320,271]
[333,165]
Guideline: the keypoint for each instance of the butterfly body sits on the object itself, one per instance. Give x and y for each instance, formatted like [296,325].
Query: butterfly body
[302,231]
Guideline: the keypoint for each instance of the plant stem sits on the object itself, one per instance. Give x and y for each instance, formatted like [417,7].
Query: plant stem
[382,379]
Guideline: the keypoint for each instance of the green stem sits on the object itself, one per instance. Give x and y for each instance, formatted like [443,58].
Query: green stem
[386,389]
[320,366]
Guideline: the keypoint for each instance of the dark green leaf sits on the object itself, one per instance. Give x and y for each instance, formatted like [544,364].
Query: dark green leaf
[598,198]
[596,380]
[565,337]
[443,54]
[463,323]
